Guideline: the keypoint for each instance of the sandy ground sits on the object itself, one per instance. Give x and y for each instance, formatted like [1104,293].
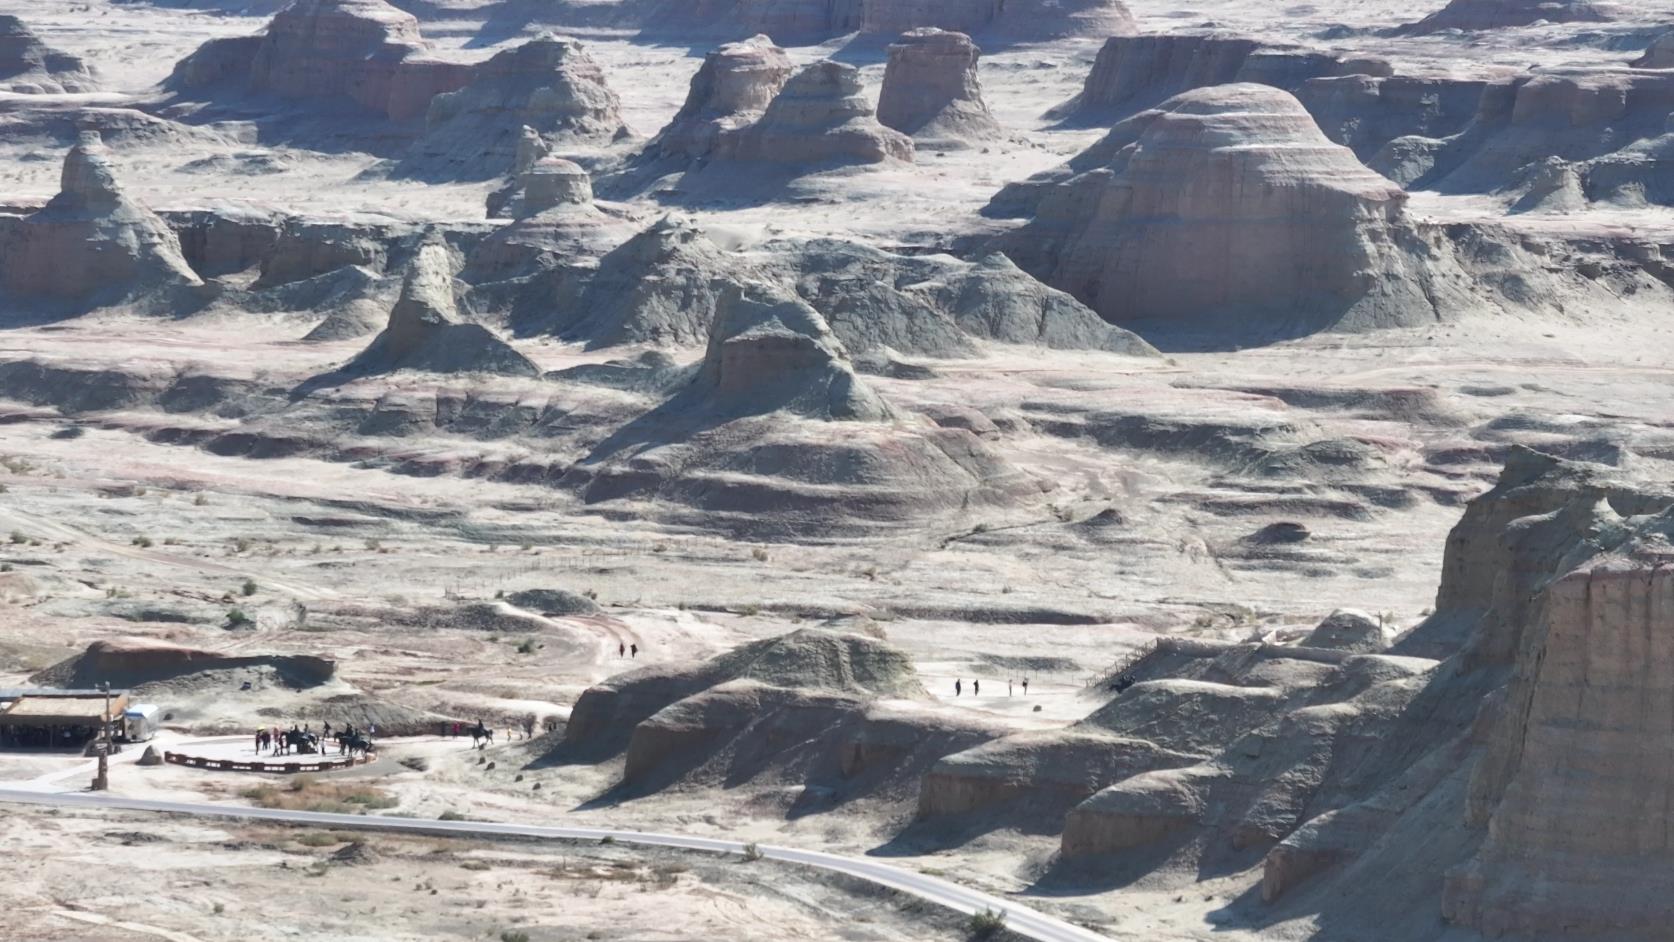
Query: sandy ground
[106,527]
[110,877]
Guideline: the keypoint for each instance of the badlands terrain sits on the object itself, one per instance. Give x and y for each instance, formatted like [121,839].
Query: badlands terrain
[1195,470]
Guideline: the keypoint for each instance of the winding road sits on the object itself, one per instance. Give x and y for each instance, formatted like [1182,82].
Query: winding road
[1019,919]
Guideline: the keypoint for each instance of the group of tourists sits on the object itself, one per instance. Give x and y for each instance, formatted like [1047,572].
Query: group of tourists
[303,739]
[976,687]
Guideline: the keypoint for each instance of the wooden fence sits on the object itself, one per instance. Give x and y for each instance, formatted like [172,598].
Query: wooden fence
[275,768]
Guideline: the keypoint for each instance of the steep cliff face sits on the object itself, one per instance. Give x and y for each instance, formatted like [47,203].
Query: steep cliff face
[1575,785]
[1228,205]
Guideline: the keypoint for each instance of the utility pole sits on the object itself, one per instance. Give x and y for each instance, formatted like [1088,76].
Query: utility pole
[101,781]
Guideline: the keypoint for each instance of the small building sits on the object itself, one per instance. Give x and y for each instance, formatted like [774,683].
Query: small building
[45,718]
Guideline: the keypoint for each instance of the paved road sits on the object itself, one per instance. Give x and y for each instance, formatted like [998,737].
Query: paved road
[1019,919]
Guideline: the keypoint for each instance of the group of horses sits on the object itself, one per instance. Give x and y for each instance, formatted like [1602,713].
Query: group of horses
[350,742]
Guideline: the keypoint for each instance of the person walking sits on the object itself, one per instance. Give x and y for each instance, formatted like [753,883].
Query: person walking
[976,688]
[635,649]
[258,742]
[958,688]
[1008,686]
[1025,686]
[621,649]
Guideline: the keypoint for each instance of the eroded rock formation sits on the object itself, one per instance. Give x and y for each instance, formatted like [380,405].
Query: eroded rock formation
[550,85]
[931,92]
[1574,785]
[424,332]
[364,52]
[1659,55]
[1479,15]
[91,244]
[1616,119]
[820,117]
[731,89]
[30,66]
[1227,204]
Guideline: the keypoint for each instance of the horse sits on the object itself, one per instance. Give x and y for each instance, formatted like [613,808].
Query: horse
[480,734]
[304,743]
[352,743]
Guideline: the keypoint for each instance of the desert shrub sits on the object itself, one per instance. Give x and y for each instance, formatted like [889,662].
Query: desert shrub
[986,924]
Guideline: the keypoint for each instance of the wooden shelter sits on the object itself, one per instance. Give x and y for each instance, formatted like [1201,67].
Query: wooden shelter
[56,719]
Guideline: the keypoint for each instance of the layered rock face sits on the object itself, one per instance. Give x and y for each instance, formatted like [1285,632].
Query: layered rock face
[931,92]
[1227,203]
[1478,15]
[1616,117]
[821,116]
[1574,788]
[732,88]
[1358,102]
[30,66]
[424,332]
[92,243]
[550,85]
[362,51]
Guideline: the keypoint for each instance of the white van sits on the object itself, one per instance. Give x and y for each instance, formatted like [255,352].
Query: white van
[139,722]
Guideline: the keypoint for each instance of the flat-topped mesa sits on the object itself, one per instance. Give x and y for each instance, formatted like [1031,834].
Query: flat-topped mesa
[732,88]
[1479,15]
[1226,206]
[821,116]
[1574,784]
[931,91]
[92,241]
[30,66]
[363,51]
[424,332]
[549,84]
[1659,55]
